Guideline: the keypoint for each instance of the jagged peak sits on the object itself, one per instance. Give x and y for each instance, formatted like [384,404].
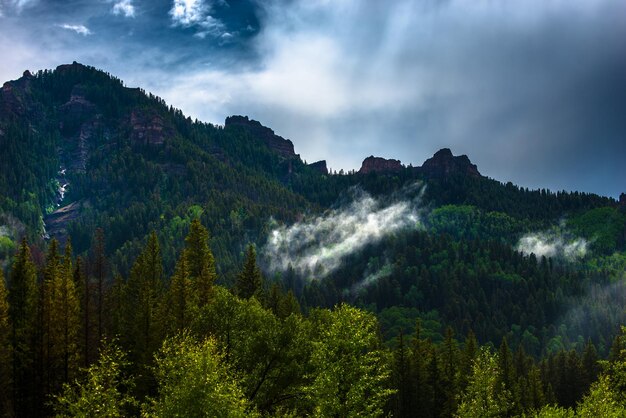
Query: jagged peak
[380,165]
[443,153]
[443,163]
[277,143]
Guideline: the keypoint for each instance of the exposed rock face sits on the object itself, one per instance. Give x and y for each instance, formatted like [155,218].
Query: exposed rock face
[12,95]
[147,128]
[74,66]
[58,221]
[380,165]
[444,164]
[78,106]
[319,166]
[280,145]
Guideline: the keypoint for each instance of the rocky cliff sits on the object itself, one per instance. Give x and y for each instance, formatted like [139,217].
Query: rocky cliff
[12,96]
[280,145]
[380,165]
[319,166]
[148,128]
[444,164]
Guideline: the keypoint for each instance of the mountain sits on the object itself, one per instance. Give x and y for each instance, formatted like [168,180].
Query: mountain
[79,151]
[439,254]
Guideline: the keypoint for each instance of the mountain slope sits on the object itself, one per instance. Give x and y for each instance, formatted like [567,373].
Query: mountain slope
[80,151]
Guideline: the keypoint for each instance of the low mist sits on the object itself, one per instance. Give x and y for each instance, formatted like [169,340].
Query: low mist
[555,244]
[317,246]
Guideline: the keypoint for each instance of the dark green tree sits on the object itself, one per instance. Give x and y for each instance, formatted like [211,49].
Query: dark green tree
[6,385]
[23,301]
[249,281]
[200,263]
[140,304]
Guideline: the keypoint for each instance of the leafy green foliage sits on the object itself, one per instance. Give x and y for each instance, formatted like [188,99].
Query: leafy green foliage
[193,381]
[352,376]
[102,392]
[485,395]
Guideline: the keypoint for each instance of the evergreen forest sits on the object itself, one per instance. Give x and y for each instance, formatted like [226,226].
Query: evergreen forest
[155,265]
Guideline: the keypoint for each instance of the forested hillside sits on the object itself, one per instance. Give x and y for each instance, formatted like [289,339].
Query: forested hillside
[163,266]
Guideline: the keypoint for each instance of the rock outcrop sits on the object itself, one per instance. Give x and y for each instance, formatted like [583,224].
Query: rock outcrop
[380,165]
[147,128]
[280,145]
[12,95]
[77,107]
[320,166]
[58,221]
[444,164]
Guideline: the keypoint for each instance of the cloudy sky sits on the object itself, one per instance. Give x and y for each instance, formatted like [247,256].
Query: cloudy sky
[534,91]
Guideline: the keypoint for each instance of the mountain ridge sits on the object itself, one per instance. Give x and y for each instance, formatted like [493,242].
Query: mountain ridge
[95,152]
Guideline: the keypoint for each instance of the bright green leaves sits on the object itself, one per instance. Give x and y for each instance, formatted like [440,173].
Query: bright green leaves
[484,395]
[103,391]
[351,374]
[193,381]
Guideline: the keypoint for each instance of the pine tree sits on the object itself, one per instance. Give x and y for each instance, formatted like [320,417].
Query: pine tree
[177,308]
[142,296]
[288,305]
[98,269]
[272,301]
[449,372]
[421,355]
[23,299]
[47,337]
[507,378]
[467,360]
[249,280]
[200,263]
[536,397]
[81,281]
[65,321]
[402,380]
[5,351]
[590,363]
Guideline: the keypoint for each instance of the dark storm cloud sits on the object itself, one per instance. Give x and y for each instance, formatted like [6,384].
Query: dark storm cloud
[130,36]
[532,91]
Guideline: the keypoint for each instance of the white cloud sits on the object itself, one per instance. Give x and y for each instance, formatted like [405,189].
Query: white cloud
[196,14]
[79,29]
[315,247]
[553,244]
[124,7]
[187,12]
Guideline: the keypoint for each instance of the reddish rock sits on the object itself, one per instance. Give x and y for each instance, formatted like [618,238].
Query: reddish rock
[280,145]
[444,164]
[13,95]
[380,165]
[147,128]
[77,107]
[320,166]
